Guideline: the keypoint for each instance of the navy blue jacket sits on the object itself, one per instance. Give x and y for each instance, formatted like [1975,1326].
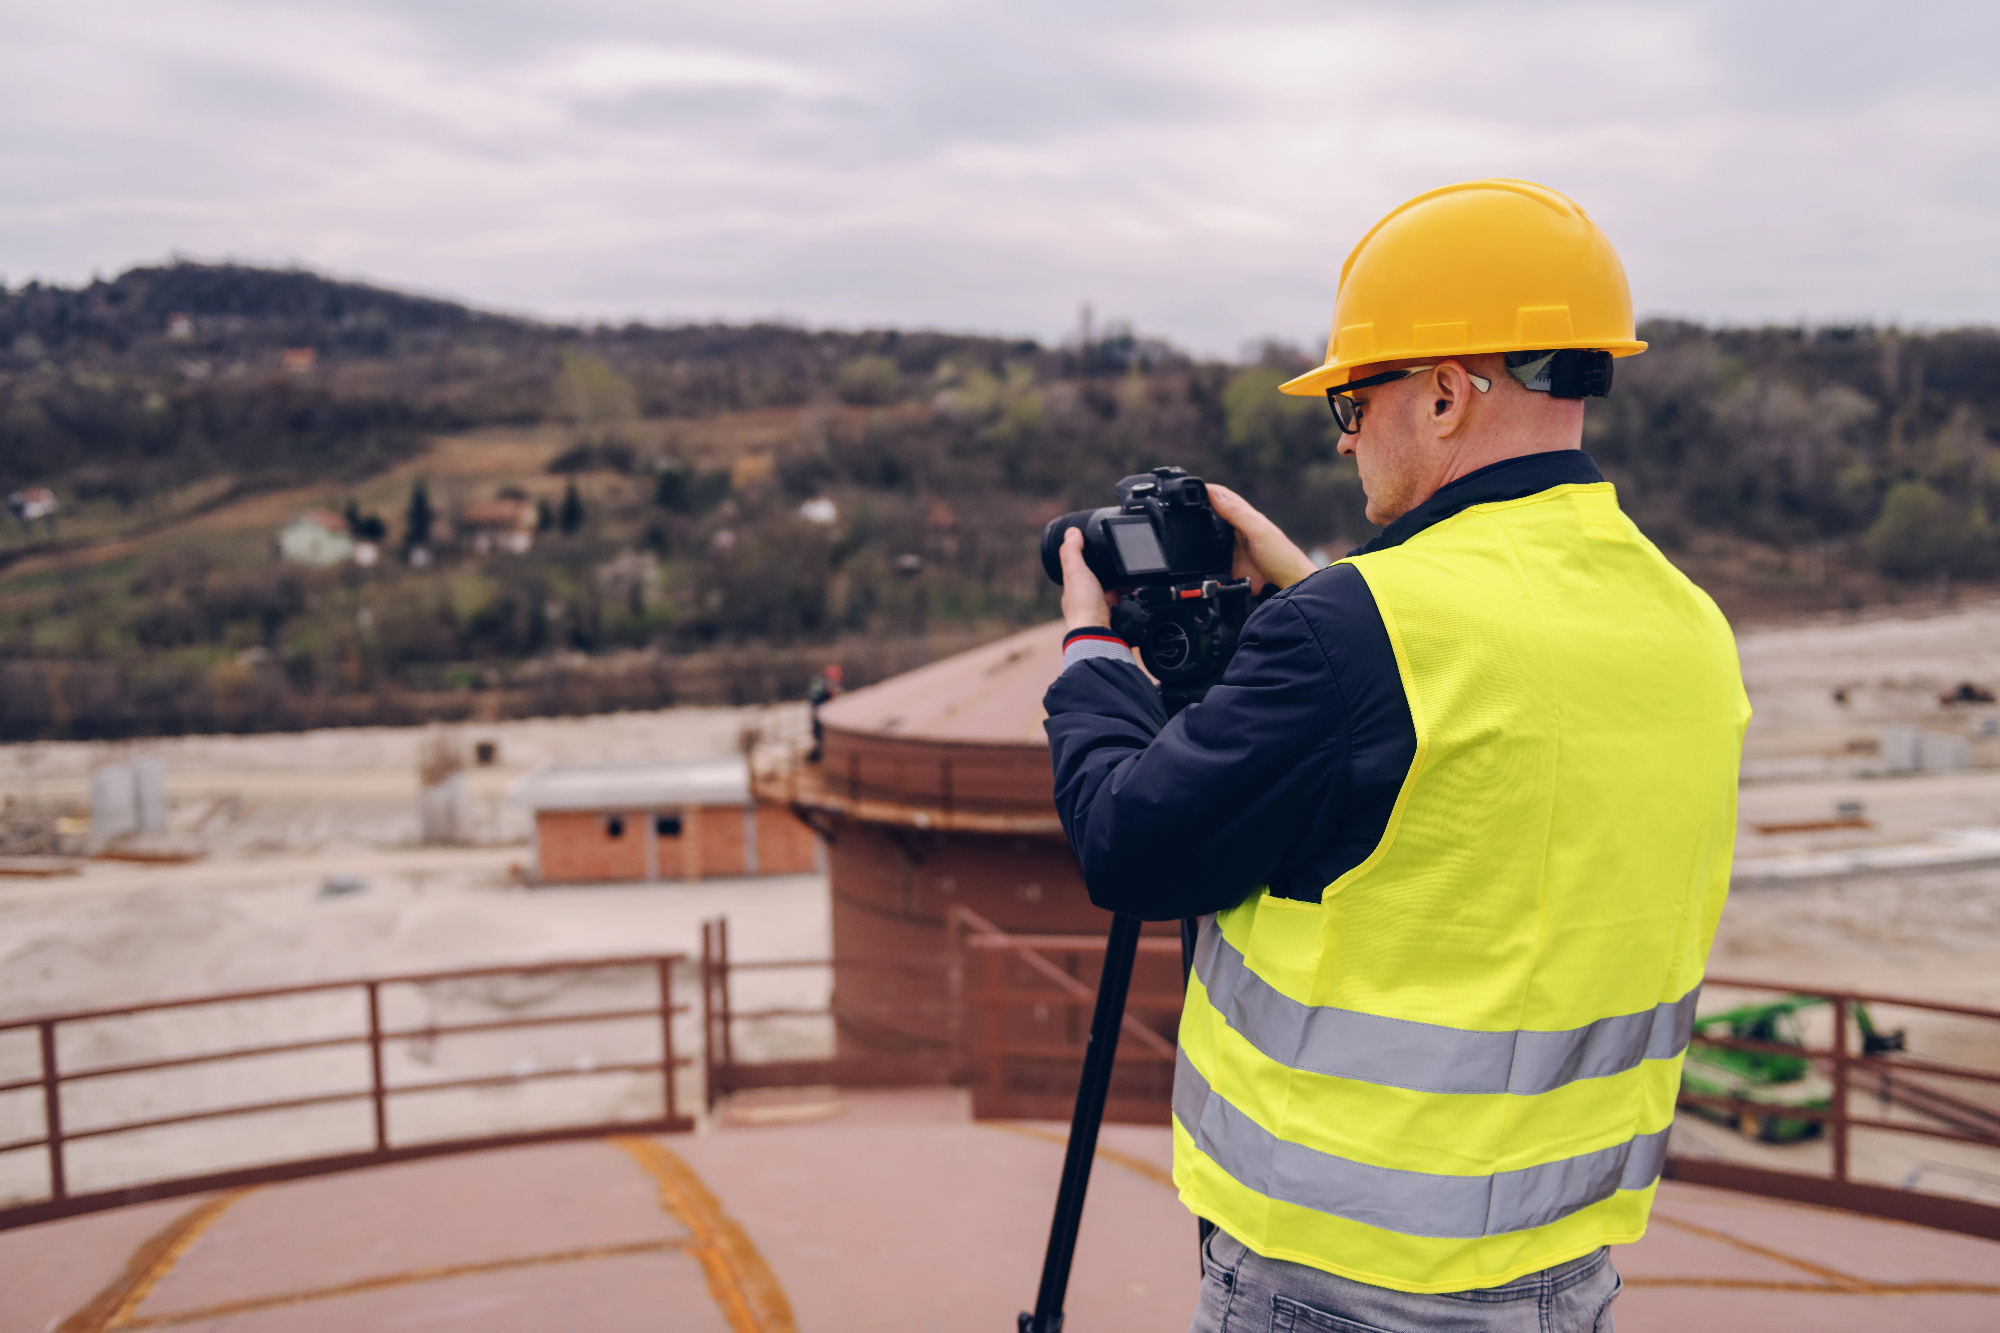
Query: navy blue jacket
[1286,773]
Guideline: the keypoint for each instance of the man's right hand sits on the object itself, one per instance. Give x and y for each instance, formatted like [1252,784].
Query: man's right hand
[1263,554]
[1085,604]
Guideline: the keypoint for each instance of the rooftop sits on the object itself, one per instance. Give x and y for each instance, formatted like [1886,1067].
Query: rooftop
[990,695]
[323,518]
[633,786]
[873,1211]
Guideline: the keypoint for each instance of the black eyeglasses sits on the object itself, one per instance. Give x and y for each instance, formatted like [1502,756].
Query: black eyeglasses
[1347,411]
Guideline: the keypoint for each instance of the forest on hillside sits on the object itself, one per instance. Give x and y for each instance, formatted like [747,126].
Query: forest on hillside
[770,490]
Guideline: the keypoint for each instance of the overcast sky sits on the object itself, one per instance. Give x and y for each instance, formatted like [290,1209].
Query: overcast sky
[1199,170]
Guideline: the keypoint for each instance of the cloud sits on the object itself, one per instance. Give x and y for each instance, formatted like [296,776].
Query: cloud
[1199,171]
[631,67]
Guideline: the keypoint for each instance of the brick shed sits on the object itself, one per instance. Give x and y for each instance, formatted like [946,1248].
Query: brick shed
[624,822]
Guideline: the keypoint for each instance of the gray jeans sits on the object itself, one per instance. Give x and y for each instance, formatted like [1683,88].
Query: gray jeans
[1242,1292]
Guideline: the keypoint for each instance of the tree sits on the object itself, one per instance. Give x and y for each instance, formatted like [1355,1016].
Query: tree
[684,490]
[364,527]
[869,381]
[418,516]
[593,396]
[571,517]
[1919,532]
[545,515]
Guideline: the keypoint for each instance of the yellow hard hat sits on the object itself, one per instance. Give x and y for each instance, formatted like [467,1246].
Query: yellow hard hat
[1486,266]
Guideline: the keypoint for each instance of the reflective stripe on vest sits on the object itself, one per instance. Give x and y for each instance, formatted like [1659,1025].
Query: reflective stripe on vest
[1424,1056]
[1413,1203]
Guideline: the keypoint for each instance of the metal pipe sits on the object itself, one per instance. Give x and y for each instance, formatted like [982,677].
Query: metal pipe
[667,1063]
[1840,1090]
[316,987]
[376,1091]
[52,1113]
[708,1015]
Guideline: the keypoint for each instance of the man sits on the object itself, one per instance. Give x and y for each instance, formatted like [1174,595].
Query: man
[1457,822]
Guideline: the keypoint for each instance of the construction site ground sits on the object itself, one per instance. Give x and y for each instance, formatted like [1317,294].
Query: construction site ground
[862,1212]
[898,1212]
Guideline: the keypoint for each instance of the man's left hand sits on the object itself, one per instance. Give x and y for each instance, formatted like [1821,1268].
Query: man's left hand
[1264,555]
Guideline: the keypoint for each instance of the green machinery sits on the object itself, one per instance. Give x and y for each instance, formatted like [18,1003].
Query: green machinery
[1768,1079]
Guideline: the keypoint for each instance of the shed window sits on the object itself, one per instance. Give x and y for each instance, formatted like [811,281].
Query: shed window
[667,826]
[614,826]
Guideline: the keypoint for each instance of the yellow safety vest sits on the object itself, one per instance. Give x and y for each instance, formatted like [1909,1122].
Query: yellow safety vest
[1460,1065]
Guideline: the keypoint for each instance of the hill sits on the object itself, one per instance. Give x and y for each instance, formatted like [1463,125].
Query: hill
[182,415]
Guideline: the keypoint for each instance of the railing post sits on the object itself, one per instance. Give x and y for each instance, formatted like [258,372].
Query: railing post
[708,1015]
[954,989]
[1840,1089]
[1072,1016]
[666,970]
[989,1034]
[722,989]
[377,1092]
[52,1113]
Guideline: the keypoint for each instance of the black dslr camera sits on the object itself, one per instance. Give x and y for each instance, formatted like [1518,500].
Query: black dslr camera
[1163,547]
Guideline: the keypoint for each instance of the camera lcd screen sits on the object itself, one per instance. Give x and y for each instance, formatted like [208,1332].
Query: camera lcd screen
[1138,548]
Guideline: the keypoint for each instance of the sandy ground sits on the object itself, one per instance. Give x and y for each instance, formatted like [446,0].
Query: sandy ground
[279,815]
[355,789]
[1891,668]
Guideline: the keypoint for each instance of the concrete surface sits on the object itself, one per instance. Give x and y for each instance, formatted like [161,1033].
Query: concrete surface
[866,1212]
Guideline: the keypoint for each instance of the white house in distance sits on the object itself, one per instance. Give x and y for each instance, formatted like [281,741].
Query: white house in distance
[686,821]
[504,525]
[316,537]
[33,503]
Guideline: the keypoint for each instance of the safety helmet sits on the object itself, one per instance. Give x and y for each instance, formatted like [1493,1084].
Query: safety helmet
[1486,266]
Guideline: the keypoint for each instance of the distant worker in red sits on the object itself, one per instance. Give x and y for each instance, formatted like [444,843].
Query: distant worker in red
[826,685]
[1457,822]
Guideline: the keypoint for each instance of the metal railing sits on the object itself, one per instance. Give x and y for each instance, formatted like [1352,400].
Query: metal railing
[1027,1063]
[868,1055]
[1895,1079]
[59,1083]
[1003,1014]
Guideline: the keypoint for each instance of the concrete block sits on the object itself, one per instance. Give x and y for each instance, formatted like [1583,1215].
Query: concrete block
[149,795]
[114,805]
[1910,750]
[444,811]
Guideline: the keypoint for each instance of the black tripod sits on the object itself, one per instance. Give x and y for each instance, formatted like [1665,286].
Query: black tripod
[1105,1020]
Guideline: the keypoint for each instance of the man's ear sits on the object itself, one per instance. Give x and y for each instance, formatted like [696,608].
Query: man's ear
[1453,388]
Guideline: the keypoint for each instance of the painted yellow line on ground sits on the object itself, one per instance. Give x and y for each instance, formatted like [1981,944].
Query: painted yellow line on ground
[1822,1288]
[112,1308]
[1152,1171]
[1831,1276]
[742,1284]
[389,1280]
[1833,1283]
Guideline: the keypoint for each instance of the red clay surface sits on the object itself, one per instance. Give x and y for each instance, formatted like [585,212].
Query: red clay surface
[896,1213]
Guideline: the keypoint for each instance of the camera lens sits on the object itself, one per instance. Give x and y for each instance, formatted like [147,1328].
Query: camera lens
[1168,648]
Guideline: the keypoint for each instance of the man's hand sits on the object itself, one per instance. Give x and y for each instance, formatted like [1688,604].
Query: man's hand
[1084,601]
[1263,554]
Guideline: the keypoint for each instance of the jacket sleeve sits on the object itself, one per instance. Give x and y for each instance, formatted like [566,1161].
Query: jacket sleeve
[1186,817]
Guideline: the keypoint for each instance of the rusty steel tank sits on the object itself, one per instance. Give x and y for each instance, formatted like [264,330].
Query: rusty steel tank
[934,792]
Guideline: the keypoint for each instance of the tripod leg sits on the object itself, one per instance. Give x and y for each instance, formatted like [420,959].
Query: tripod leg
[1119,951]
